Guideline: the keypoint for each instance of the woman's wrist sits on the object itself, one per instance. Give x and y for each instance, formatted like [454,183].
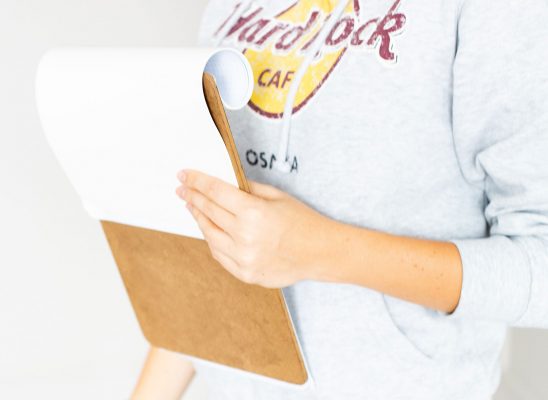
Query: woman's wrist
[327,244]
[425,272]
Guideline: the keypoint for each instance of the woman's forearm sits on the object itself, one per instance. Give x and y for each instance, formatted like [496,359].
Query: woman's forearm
[425,272]
[165,375]
[300,243]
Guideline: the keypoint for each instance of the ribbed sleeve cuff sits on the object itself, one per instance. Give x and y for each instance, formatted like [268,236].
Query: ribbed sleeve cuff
[496,279]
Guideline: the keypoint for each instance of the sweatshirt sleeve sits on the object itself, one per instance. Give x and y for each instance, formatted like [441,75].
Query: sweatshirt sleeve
[500,128]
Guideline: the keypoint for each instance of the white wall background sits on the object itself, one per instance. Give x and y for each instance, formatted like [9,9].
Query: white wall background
[67,330]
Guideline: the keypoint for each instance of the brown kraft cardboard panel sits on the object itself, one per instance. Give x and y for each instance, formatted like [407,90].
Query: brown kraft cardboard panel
[186,302]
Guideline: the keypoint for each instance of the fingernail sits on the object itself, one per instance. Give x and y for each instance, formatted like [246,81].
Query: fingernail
[188,206]
[181,175]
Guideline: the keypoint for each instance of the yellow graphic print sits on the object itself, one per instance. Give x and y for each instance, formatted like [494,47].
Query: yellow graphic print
[275,66]
[276,47]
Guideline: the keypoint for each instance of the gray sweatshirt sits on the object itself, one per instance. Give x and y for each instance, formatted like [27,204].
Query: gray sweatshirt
[421,118]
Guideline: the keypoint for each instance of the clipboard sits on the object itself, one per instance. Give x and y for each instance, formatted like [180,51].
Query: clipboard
[186,302]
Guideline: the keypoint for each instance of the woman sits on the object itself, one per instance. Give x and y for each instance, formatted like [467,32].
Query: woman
[403,205]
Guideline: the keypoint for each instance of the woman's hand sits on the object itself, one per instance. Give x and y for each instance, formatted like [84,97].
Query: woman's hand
[267,238]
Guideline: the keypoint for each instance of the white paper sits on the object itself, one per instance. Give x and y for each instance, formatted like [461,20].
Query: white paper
[123,121]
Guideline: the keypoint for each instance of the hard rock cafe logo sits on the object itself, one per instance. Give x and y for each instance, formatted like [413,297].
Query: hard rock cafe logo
[275,47]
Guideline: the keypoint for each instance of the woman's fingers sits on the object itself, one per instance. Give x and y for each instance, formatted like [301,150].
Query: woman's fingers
[229,264]
[220,243]
[215,237]
[226,195]
[218,215]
